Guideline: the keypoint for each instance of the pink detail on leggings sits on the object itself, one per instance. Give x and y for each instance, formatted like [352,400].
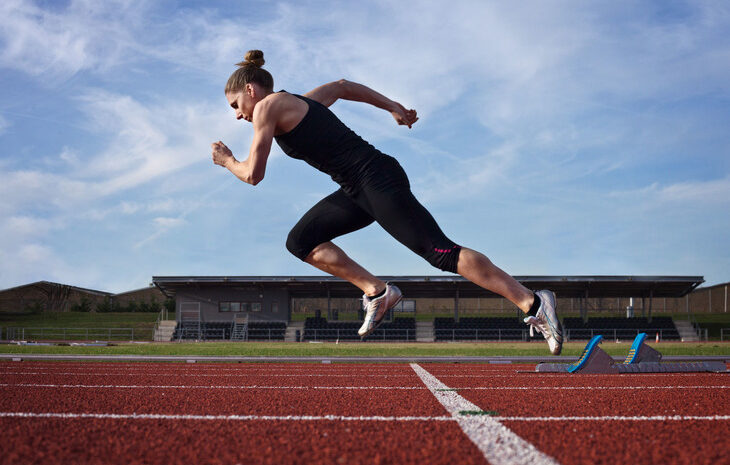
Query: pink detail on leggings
[456,247]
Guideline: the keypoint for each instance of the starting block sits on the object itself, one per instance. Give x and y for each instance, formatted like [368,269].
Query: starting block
[641,359]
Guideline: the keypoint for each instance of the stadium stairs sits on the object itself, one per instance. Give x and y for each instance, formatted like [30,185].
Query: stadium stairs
[687,332]
[424,331]
[291,331]
[164,331]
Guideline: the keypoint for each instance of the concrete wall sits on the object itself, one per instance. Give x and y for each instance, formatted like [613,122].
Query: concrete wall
[274,303]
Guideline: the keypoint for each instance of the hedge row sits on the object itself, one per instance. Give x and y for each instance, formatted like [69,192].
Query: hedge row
[110,306]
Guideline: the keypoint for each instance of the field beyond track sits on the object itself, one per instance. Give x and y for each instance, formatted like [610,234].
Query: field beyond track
[368,349]
[418,413]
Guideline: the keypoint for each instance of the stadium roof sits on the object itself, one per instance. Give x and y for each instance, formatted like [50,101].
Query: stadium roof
[444,286]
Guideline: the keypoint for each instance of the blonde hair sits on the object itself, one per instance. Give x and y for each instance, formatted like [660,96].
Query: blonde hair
[250,71]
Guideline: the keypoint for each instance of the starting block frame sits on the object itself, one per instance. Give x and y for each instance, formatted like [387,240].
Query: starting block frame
[640,359]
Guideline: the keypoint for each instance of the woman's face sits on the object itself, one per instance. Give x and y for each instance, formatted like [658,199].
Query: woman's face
[243,102]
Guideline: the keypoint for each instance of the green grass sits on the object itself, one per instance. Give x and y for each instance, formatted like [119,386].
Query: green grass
[79,320]
[142,323]
[713,322]
[282,349]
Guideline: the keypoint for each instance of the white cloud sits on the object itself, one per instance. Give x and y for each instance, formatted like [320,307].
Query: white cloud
[165,222]
[4,124]
[56,43]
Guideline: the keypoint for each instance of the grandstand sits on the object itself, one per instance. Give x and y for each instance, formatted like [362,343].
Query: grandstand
[268,303]
[619,328]
[226,331]
[319,329]
[446,308]
[480,329]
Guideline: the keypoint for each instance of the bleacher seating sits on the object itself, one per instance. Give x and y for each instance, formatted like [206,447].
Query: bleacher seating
[620,328]
[266,330]
[319,329]
[481,329]
[221,330]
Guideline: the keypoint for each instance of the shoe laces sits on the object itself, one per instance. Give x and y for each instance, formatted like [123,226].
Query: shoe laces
[537,325]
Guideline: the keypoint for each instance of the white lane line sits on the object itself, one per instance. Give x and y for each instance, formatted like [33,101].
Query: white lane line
[588,388]
[333,375]
[256,386]
[152,416]
[499,444]
[622,418]
[187,386]
[220,375]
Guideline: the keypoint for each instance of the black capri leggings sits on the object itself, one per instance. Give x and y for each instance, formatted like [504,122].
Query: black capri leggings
[385,196]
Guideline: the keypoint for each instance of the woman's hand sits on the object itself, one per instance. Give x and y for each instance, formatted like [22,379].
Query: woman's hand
[222,155]
[404,117]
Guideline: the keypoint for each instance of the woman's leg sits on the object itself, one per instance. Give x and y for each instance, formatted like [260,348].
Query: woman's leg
[396,209]
[310,240]
[478,269]
[333,260]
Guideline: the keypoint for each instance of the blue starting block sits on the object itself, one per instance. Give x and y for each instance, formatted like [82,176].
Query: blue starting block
[641,359]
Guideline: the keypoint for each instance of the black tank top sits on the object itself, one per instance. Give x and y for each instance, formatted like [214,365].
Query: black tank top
[323,141]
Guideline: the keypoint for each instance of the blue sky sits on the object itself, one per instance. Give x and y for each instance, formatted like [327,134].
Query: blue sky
[556,137]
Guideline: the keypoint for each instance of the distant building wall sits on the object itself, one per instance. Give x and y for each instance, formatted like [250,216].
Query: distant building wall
[46,296]
[224,303]
[146,294]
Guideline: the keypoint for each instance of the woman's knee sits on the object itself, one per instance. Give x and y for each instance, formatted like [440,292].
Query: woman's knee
[445,259]
[296,244]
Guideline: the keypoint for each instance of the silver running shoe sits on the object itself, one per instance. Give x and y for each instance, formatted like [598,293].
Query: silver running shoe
[376,308]
[547,322]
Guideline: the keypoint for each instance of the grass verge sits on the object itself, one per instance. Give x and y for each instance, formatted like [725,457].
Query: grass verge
[288,349]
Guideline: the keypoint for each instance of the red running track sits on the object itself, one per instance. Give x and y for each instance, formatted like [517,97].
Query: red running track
[349,413]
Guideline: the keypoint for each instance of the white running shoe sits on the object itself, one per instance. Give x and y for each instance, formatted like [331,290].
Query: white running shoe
[376,308]
[547,322]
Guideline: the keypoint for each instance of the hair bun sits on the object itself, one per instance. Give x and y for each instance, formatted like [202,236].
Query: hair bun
[253,57]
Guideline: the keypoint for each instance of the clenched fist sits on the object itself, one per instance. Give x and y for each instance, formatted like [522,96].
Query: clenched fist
[222,155]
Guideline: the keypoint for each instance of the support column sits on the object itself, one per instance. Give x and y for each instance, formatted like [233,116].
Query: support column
[329,303]
[456,304]
[651,300]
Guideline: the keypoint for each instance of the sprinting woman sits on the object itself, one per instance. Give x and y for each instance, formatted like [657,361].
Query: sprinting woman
[373,188]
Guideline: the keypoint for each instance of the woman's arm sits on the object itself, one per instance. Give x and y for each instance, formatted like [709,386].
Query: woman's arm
[328,94]
[252,169]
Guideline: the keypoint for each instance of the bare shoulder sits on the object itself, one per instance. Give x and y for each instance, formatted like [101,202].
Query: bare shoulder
[280,101]
[283,108]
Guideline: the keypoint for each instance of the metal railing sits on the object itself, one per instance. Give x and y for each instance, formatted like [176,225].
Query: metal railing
[219,334]
[724,333]
[618,333]
[331,334]
[84,334]
[257,334]
[481,334]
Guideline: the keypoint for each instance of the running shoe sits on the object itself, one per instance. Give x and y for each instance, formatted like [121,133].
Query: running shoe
[375,309]
[547,322]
